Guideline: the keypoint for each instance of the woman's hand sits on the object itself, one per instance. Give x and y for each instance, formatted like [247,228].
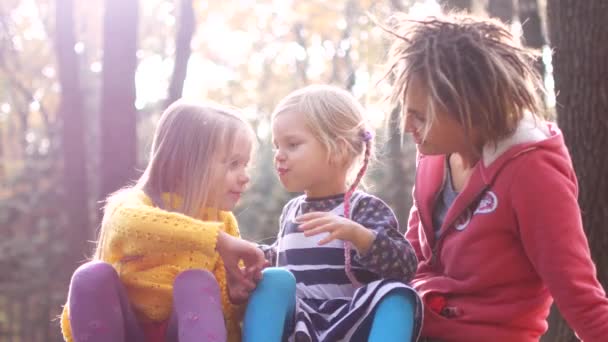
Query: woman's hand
[338,227]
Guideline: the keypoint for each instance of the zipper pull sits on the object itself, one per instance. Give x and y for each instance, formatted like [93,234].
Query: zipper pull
[434,257]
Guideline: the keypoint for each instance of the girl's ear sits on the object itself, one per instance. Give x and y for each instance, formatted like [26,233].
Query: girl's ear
[340,156]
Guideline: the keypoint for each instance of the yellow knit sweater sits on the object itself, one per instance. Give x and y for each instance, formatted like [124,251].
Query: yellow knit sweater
[149,247]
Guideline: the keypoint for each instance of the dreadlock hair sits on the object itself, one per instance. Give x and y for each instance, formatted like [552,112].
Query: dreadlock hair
[473,68]
[338,122]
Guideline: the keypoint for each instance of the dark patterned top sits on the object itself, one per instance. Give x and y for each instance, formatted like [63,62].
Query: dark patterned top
[390,257]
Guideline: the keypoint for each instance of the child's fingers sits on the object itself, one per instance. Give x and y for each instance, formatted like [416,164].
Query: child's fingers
[240,276]
[248,284]
[257,276]
[255,273]
[318,230]
[311,216]
[314,223]
[329,238]
[252,273]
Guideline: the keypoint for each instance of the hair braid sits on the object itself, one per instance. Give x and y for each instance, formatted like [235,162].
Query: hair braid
[347,197]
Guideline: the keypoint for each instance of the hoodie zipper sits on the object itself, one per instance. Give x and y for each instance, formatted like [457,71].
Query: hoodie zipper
[441,237]
[421,216]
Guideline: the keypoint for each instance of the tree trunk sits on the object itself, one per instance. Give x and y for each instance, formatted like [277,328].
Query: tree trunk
[460,5]
[71,113]
[396,181]
[343,69]
[118,114]
[577,32]
[183,38]
[401,155]
[502,9]
[301,61]
[529,16]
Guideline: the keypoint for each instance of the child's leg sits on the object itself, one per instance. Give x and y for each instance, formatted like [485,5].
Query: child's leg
[394,318]
[99,307]
[269,307]
[197,308]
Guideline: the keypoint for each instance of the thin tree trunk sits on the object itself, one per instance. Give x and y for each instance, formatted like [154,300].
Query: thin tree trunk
[502,9]
[399,154]
[461,5]
[397,5]
[183,39]
[301,64]
[118,114]
[351,10]
[580,63]
[71,112]
[532,26]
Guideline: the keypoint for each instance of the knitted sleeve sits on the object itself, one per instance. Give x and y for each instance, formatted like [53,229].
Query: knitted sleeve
[66,330]
[142,229]
[391,255]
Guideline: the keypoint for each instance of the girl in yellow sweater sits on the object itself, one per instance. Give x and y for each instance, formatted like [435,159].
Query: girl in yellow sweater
[169,245]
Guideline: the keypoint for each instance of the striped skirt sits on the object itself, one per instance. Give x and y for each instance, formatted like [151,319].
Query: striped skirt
[346,319]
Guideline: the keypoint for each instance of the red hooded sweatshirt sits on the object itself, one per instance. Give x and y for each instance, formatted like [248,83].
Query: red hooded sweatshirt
[511,242]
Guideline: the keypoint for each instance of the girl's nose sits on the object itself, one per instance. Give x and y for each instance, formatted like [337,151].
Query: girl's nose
[279,156]
[244,178]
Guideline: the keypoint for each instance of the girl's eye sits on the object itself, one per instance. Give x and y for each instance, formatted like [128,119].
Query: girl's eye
[234,164]
[417,117]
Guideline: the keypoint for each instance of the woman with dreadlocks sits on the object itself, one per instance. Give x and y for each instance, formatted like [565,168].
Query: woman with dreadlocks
[495,222]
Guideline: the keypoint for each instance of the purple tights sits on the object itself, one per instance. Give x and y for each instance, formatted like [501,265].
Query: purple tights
[100,310]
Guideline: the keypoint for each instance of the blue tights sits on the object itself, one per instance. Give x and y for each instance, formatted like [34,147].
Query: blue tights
[272,304]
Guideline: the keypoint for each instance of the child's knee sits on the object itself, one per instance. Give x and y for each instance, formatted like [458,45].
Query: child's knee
[401,300]
[93,279]
[279,279]
[196,279]
[94,273]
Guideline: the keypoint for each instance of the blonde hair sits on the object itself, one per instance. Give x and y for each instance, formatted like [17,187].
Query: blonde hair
[189,145]
[332,115]
[473,68]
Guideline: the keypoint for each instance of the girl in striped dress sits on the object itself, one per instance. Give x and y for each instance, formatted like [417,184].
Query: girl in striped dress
[343,266]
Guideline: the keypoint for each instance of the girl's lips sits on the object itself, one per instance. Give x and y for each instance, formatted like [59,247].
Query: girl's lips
[281,171]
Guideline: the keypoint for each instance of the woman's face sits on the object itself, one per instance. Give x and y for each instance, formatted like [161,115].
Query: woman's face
[444,135]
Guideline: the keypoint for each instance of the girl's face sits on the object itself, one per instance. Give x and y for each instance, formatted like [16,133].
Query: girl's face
[301,161]
[232,179]
[445,134]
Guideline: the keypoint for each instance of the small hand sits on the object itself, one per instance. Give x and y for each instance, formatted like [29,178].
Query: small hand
[238,290]
[338,227]
[241,280]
